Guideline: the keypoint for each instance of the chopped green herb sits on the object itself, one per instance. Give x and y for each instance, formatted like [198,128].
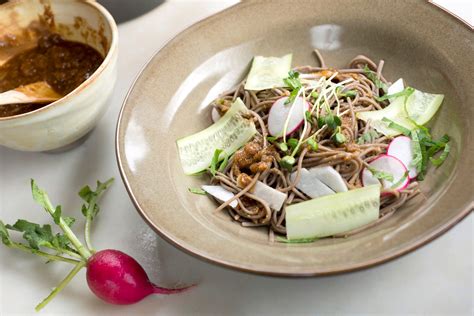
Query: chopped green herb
[381,175]
[373,77]
[197,191]
[215,161]
[287,162]
[396,184]
[439,161]
[296,241]
[406,92]
[271,139]
[391,124]
[314,94]
[307,116]
[224,163]
[368,137]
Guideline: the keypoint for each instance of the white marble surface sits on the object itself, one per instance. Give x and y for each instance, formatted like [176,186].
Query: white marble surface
[436,279]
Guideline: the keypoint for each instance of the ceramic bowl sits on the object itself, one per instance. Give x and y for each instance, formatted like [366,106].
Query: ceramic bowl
[419,42]
[71,117]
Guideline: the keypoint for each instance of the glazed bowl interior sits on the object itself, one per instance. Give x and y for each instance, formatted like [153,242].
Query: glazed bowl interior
[429,49]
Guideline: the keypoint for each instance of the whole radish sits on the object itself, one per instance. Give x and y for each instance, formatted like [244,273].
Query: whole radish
[117,278]
[112,275]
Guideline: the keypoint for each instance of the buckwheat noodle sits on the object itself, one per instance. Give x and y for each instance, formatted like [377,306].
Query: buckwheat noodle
[348,159]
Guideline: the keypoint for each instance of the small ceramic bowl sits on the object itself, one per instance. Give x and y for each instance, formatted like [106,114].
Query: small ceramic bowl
[62,122]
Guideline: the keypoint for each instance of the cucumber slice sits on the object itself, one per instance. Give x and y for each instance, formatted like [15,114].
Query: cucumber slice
[333,214]
[268,72]
[229,133]
[421,107]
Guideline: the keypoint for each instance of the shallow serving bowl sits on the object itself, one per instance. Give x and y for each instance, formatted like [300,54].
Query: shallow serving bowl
[430,49]
[62,122]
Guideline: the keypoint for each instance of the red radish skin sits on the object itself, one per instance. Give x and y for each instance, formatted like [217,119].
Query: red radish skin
[117,278]
[400,147]
[278,115]
[391,159]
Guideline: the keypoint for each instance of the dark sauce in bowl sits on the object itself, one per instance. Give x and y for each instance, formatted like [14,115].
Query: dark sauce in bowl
[63,64]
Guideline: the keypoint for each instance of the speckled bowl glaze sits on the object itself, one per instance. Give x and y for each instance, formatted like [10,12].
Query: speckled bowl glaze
[430,49]
[71,117]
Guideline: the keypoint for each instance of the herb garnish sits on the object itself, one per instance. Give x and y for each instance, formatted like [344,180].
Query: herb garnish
[296,241]
[405,92]
[215,161]
[197,191]
[294,83]
[368,137]
[373,77]
[381,175]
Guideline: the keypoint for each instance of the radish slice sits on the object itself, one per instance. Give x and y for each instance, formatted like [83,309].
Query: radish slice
[310,185]
[279,113]
[401,147]
[330,177]
[389,165]
[274,198]
[215,115]
[220,194]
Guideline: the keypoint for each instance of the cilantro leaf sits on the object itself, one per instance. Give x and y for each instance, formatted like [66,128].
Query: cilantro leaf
[373,77]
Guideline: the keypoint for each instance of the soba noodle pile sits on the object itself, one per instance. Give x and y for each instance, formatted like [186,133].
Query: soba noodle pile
[347,158]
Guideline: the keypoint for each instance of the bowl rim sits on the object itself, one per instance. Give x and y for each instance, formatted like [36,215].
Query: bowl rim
[248,267]
[105,63]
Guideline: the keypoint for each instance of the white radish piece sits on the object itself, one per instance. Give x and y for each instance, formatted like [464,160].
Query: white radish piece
[395,87]
[310,185]
[273,197]
[391,166]
[215,115]
[330,177]
[220,194]
[401,147]
[279,113]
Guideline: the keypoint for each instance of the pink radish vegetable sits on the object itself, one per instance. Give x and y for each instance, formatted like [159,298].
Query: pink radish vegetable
[119,279]
[279,113]
[112,275]
[401,147]
[388,170]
